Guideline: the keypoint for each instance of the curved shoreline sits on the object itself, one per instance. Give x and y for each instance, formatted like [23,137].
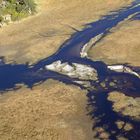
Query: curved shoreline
[68,58]
[55,22]
[67,53]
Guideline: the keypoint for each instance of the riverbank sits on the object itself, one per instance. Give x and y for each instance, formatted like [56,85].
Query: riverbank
[119,47]
[54,23]
[50,111]
[124,105]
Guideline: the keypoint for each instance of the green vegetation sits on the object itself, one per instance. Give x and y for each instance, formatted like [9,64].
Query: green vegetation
[11,10]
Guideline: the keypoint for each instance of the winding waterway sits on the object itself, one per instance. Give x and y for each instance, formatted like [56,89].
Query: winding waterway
[70,51]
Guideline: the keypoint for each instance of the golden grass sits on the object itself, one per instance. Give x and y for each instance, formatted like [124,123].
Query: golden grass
[121,46]
[51,111]
[127,106]
[40,36]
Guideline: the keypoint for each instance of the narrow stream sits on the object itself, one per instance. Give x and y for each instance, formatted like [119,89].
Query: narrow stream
[13,74]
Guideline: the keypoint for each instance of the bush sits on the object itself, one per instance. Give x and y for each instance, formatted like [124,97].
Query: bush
[18,9]
[30,4]
[1,18]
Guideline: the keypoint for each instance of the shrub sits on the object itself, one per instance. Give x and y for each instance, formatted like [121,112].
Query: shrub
[30,4]
[17,9]
[1,18]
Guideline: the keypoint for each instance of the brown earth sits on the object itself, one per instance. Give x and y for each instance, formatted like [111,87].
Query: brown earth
[121,46]
[41,35]
[50,111]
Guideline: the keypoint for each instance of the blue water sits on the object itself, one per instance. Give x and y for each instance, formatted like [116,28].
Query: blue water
[12,74]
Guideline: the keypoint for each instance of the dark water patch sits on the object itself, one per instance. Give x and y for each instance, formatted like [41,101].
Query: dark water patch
[12,74]
[106,118]
[72,47]
[123,82]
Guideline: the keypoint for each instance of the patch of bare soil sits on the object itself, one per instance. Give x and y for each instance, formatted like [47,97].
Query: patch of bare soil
[51,111]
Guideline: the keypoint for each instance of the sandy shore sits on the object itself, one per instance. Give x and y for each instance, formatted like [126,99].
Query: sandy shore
[40,36]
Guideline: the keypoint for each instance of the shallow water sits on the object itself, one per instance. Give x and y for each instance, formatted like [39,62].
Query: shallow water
[12,74]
